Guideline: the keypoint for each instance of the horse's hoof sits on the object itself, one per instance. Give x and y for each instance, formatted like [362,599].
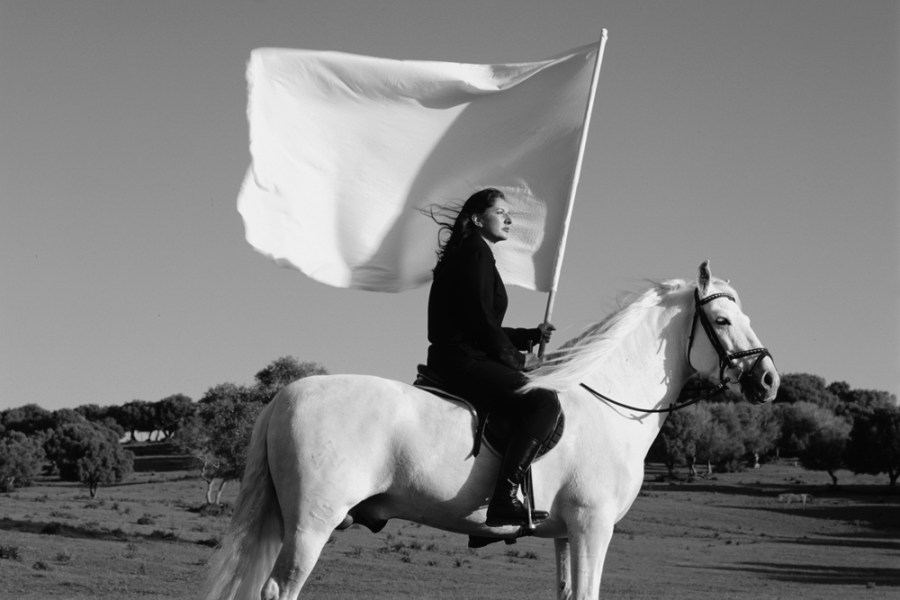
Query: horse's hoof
[270,590]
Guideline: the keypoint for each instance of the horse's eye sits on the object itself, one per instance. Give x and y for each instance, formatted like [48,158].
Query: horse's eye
[722,321]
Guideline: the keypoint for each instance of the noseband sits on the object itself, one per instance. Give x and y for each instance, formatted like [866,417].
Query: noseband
[726,359]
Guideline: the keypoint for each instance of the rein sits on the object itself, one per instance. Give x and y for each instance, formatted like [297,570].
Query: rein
[675,406]
[725,359]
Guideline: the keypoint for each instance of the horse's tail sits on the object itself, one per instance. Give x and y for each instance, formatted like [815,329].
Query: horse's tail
[240,567]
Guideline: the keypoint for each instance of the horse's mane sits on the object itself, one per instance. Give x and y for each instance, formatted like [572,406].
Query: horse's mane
[568,366]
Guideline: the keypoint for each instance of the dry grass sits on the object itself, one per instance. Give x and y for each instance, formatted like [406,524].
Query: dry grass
[722,539]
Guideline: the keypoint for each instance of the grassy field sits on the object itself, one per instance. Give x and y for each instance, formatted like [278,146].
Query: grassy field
[727,538]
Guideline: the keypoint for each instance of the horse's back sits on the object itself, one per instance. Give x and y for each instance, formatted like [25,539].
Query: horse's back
[367,412]
[348,398]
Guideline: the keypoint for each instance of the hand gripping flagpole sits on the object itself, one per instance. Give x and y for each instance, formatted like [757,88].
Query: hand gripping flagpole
[560,252]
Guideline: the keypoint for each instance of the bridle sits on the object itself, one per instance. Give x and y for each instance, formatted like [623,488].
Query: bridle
[726,359]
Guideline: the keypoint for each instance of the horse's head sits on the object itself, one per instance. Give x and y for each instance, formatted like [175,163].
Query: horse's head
[730,350]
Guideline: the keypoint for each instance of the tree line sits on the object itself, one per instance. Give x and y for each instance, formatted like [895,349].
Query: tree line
[85,444]
[824,427]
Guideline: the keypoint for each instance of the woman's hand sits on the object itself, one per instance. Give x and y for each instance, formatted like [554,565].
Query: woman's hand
[546,330]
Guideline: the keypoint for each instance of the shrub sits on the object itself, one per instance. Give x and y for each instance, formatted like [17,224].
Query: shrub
[51,528]
[89,453]
[21,460]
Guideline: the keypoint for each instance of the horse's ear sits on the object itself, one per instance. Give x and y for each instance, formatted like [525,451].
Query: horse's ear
[705,277]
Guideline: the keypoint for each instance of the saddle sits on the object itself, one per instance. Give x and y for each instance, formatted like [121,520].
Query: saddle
[492,431]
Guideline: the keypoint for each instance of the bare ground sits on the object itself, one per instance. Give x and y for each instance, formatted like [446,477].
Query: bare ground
[727,538]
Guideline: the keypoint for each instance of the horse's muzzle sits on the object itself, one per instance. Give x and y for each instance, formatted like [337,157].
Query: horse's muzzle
[760,383]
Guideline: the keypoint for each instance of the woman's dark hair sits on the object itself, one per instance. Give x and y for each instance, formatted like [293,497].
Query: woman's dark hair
[457,229]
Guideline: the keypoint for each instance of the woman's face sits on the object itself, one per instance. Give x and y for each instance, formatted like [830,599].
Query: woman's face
[495,222]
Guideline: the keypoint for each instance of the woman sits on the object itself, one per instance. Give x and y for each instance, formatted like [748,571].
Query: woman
[478,357]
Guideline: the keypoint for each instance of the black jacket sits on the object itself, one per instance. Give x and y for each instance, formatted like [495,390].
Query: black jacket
[466,307]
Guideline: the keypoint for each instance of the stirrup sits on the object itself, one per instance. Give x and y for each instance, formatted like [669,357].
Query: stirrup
[528,521]
[480,541]
[526,517]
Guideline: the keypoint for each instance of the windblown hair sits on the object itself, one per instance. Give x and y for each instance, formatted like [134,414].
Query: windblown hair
[456,221]
[569,365]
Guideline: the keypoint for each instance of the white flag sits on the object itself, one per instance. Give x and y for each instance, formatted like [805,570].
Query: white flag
[347,150]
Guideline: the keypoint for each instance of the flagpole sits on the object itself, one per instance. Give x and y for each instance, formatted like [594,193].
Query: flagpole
[551,298]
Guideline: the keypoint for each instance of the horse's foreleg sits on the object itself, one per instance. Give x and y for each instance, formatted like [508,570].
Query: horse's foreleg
[590,540]
[563,569]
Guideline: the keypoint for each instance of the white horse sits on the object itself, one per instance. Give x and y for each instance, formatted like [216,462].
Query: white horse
[336,449]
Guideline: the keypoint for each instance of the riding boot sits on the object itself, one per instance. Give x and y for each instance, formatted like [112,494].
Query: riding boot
[505,507]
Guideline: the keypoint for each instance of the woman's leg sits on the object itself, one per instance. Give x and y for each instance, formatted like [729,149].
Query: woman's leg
[534,416]
[495,386]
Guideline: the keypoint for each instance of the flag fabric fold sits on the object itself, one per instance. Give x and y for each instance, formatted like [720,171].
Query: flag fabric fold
[349,153]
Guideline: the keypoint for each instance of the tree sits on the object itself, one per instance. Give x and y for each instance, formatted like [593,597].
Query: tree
[749,431]
[173,413]
[824,447]
[21,459]
[720,441]
[103,462]
[798,422]
[839,388]
[857,402]
[282,371]
[802,387]
[134,416]
[815,435]
[874,445]
[677,441]
[103,415]
[219,435]
[66,415]
[721,433]
[89,453]
[93,412]
[28,419]
[227,425]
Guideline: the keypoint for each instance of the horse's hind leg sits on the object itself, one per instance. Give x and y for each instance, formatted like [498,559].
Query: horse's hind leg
[310,518]
[295,562]
[311,512]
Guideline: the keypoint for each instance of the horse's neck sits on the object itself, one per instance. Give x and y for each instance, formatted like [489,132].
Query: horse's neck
[650,367]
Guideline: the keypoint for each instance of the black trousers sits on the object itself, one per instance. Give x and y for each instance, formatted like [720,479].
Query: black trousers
[488,383]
